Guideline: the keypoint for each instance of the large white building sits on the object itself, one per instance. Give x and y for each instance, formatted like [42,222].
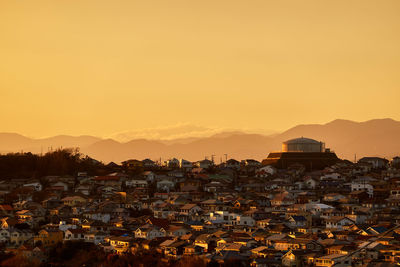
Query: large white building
[303,145]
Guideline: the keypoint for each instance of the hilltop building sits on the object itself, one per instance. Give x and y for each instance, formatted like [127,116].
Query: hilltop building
[308,152]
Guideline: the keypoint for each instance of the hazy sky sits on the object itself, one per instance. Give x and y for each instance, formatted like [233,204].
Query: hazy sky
[100,67]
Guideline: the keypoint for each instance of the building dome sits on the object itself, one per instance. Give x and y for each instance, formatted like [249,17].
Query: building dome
[301,140]
[303,145]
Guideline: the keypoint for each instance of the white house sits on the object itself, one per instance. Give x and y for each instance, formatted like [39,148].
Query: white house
[338,222]
[94,237]
[359,185]
[231,218]
[74,235]
[149,232]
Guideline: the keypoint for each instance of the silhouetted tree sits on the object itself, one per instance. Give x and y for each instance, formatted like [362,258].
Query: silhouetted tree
[60,162]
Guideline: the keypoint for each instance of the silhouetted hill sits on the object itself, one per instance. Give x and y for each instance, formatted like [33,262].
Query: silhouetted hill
[371,138]
[346,138]
[11,142]
[378,137]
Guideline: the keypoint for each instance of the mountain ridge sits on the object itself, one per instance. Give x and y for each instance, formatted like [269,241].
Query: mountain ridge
[377,137]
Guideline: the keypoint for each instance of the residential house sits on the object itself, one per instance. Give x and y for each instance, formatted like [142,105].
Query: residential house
[74,235]
[376,162]
[19,237]
[48,237]
[149,232]
[338,222]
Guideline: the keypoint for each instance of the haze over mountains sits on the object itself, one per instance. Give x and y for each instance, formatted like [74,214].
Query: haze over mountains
[179,133]
[378,137]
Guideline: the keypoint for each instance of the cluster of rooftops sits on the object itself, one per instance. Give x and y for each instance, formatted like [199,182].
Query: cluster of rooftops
[343,215]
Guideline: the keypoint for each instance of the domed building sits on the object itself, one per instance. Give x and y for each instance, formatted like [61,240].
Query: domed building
[303,145]
[310,153]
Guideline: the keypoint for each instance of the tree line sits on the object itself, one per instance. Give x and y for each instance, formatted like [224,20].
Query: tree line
[61,162]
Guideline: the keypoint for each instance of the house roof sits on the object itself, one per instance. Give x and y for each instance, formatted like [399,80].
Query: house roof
[188,206]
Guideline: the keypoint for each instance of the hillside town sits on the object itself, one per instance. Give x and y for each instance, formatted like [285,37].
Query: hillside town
[240,212]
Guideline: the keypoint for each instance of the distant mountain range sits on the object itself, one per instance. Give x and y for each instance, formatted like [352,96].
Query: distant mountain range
[380,137]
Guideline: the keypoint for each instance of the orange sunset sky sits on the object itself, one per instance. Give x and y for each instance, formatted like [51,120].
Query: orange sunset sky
[101,67]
